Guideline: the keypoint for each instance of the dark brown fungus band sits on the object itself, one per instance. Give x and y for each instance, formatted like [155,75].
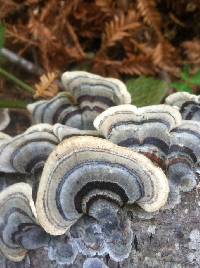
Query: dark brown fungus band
[92,94]
[19,231]
[184,155]
[188,105]
[82,170]
[25,152]
[146,130]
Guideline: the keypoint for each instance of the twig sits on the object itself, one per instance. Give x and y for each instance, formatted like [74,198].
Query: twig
[23,63]
[18,82]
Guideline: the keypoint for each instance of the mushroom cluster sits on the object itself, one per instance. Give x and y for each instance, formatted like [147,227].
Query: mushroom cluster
[188,105]
[86,95]
[69,181]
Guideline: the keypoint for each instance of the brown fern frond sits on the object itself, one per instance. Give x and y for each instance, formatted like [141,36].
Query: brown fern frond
[19,34]
[7,7]
[137,65]
[118,28]
[192,51]
[165,57]
[148,11]
[48,9]
[75,40]
[47,87]
[106,6]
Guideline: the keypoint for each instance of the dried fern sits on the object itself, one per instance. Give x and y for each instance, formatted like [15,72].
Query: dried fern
[137,65]
[47,87]
[192,51]
[7,7]
[165,57]
[120,27]
[149,13]
[112,37]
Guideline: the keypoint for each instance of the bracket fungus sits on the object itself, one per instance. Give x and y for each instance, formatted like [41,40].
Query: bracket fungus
[84,185]
[4,118]
[146,130]
[28,151]
[19,231]
[159,133]
[25,152]
[82,170]
[92,94]
[188,105]
[64,132]
[54,110]
[184,155]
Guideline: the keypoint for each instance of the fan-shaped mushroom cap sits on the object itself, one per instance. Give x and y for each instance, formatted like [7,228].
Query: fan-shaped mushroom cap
[57,110]
[54,110]
[27,151]
[4,118]
[146,129]
[83,169]
[63,132]
[92,94]
[106,92]
[16,208]
[4,138]
[188,104]
[184,154]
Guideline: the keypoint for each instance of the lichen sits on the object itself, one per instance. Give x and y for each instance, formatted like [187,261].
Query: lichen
[194,245]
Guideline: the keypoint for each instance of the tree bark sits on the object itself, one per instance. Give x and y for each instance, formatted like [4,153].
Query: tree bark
[170,239]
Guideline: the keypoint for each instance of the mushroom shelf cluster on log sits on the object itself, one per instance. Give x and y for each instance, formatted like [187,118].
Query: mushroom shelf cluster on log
[88,159]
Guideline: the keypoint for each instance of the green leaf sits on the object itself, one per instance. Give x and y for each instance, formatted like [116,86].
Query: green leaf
[22,85]
[2,34]
[16,104]
[185,74]
[146,91]
[195,79]
[181,87]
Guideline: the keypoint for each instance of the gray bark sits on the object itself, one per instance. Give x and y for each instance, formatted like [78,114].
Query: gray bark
[170,239]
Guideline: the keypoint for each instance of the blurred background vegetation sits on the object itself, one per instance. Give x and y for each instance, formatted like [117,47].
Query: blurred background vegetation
[154,46]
